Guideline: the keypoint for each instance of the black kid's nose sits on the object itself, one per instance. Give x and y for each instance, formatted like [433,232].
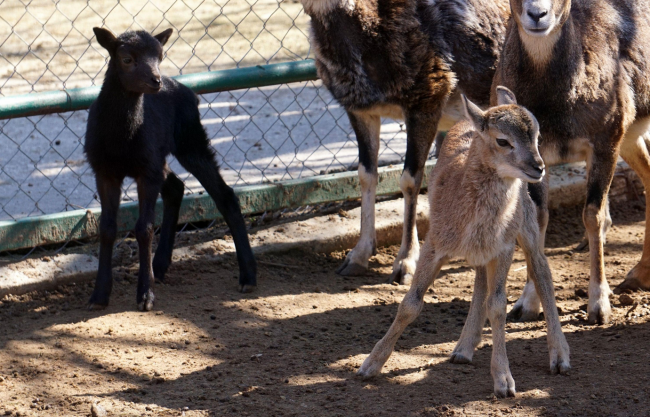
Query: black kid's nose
[536,15]
[155,80]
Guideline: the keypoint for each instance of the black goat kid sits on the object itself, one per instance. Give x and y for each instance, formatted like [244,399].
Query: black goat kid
[138,119]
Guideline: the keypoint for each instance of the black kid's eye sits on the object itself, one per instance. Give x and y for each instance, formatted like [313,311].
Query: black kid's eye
[127,60]
[503,143]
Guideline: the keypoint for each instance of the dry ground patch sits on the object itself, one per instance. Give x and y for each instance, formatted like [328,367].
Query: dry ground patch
[292,347]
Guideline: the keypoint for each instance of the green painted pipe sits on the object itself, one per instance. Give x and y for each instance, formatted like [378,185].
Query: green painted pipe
[83,224]
[203,82]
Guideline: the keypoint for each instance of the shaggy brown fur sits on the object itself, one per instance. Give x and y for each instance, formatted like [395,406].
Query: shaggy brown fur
[580,66]
[479,208]
[402,59]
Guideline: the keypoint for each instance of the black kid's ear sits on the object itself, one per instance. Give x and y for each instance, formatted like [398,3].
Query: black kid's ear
[106,39]
[163,36]
[473,113]
[505,96]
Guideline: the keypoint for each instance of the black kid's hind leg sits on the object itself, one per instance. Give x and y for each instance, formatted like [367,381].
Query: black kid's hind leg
[202,165]
[172,195]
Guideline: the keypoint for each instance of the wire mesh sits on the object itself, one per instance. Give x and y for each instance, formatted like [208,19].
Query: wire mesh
[265,134]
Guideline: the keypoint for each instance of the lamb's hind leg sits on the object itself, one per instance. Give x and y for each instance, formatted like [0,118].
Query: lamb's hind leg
[473,329]
[366,127]
[497,274]
[428,268]
[634,150]
[172,196]
[540,274]
[200,162]
[528,306]
[421,127]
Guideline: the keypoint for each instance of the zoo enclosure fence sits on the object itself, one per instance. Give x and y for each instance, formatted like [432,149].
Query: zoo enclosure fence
[281,139]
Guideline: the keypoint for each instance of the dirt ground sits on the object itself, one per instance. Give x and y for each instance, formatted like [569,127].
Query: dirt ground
[292,347]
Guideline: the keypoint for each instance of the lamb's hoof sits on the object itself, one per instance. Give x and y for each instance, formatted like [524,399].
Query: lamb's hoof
[521,314]
[351,269]
[96,306]
[147,302]
[459,359]
[96,303]
[504,386]
[246,288]
[368,369]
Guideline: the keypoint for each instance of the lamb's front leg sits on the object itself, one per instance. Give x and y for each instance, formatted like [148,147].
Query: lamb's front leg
[473,329]
[428,268]
[366,127]
[497,271]
[148,190]
[540,274]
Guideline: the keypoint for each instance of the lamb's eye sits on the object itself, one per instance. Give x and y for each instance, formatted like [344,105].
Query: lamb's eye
[503,143]
[127,60]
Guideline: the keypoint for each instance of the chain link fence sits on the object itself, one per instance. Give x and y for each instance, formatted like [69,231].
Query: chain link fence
[267,134]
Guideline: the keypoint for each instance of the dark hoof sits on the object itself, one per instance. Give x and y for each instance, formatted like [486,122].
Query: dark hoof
[519,314]
[246,288]
[400,277]
[583,246]
[599,317]
[96,306]
[459,359]
[351,269]
[147,302]
[97,303]
[630,285]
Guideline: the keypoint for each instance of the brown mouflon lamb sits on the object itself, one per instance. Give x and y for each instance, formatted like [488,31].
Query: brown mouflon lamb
[480,208]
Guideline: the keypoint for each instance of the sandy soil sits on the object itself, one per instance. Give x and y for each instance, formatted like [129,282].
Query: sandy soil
[292,347]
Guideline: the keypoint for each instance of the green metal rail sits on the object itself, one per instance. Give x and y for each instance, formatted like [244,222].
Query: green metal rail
[80,224]
[204,82]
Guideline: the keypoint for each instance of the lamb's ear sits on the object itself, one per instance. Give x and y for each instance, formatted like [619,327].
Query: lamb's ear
[106,39]
[505,96]
[473,113]
[163,36]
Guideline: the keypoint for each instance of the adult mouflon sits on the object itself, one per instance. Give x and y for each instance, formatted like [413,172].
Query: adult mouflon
[479,208]
[410,60]
[139,118]
[581,67]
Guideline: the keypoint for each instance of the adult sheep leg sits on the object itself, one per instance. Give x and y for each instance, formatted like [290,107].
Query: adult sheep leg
[428,268]
[421,127]
[600,174]
[366,127]
[634,150]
